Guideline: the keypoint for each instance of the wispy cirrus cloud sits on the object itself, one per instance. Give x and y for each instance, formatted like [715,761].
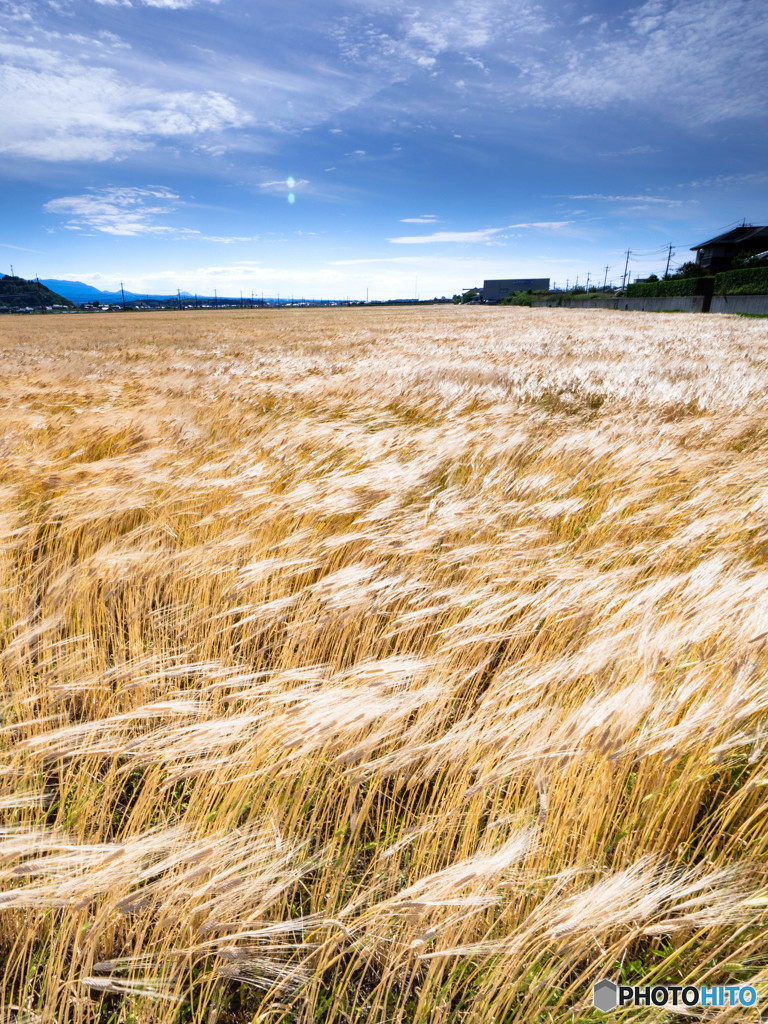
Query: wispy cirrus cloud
[481,235]
[171,5]
[729,180]
[282,185]
[396,37]
[178,5]
[606,198]
[426,218]
[21,248]
[667,53]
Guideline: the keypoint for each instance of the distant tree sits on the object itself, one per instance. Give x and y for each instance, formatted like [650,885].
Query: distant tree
[746,260]
[690,270]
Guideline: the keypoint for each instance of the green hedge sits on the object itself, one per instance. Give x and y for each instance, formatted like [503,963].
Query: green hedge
[742,282]
[674,286]
[732,282]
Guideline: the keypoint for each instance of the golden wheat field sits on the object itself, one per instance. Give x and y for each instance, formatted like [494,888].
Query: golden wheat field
[399,665]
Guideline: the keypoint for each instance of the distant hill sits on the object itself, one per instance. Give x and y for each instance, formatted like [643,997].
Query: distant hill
[17,293]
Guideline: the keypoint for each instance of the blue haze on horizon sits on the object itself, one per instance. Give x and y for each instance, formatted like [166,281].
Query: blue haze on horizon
[329,149]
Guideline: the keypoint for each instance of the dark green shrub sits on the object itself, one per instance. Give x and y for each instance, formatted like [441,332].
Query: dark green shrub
[742,282]
[673,286]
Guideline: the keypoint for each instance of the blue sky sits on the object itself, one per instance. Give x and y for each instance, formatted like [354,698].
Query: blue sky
[322,149]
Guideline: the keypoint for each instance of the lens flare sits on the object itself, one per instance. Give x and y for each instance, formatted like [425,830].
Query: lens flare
[291,197]
[290,181]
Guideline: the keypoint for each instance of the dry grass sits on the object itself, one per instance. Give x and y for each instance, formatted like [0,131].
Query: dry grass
[400,665]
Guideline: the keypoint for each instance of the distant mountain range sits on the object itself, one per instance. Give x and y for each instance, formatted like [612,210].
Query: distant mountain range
[79,292]
[53,291]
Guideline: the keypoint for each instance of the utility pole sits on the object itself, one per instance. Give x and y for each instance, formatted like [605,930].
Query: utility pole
[626,265]
[567,283]
[241,298]
[669,257]
[215,299]
[11,270]
[588,273]
[577,282]
[39,293]
[178,292]
[122,292]
[605,279]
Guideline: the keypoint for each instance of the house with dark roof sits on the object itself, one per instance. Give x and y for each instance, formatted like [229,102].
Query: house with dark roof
[717,254]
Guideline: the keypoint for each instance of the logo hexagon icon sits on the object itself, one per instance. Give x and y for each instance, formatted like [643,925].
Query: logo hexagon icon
[605,995]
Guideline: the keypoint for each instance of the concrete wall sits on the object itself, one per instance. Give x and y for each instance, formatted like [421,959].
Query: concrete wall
[576,304]
[659,304]
[682,303]
[739,304]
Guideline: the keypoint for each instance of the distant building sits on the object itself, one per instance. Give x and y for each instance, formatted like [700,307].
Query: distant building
[716,254]
[495,291]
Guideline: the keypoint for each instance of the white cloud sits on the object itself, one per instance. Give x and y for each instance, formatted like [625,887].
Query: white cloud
[447,236]
[117,211]
[17,11]
[426,219]
[131,211]
[377,259]
[57,108]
